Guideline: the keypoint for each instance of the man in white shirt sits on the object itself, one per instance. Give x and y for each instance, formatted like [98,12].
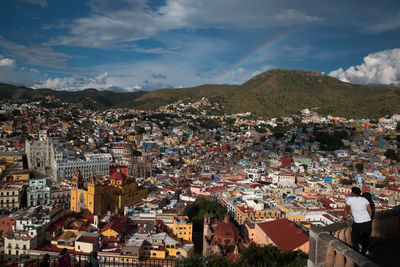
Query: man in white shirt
[362,225]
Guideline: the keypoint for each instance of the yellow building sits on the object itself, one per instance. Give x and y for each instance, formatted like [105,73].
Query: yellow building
[17,175]
[11,196]
[97,198]
[6,128]
[292,211]
[243,213]
[182,229]
[11,157]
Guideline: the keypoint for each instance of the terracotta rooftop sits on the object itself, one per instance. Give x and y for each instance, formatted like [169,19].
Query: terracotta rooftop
[285,234]
[224,229]
[117,224]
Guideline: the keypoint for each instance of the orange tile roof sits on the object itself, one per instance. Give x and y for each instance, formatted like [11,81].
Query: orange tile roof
[118,224]
[285,234]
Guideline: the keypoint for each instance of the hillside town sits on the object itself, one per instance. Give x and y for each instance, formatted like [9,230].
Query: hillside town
[123,183]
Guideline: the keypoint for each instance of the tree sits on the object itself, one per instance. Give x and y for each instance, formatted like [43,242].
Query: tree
[391,154]
[279,135]
[136,153]
[252,256]
[330,142]
[346,181]
[172,162]
[270,255]
[359,167]
[197,210]
[139,130]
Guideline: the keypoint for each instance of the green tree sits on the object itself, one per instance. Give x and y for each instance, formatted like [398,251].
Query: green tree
[172,162]
[359,167]
[136,153]
[139,130]
[330,142]
[391,154]
[270,255]
[346,181]
[200,207]
[253,256]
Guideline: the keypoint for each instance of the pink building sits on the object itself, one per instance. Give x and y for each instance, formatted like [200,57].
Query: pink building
[281,233]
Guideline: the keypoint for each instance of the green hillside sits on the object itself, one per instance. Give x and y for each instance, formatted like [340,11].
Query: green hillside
[282,92]
[89,98]
[154,99]
[277,92]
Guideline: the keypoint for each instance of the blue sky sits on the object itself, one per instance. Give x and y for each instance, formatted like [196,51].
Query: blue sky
[143,44]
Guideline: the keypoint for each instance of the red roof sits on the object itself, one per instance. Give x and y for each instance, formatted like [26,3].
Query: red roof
[392,187]
[118,176]
[118,224]
[6,225]
[243,209]
[285,234]
[87,239]
[225,230]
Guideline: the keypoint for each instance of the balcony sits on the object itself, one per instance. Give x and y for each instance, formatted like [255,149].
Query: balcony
[331,245]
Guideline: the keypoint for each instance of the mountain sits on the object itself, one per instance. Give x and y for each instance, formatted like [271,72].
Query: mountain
[282,92]
[277,92]
[154,99]
[89,98]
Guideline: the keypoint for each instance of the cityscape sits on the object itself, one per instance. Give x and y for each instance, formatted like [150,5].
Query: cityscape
[199,133]
[134,185]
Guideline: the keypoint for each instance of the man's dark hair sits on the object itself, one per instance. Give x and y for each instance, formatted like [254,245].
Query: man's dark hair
[356,191]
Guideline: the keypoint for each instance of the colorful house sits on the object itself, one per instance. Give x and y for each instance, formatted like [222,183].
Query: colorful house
[282,233]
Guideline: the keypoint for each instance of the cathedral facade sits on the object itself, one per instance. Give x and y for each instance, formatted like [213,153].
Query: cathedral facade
[98,198]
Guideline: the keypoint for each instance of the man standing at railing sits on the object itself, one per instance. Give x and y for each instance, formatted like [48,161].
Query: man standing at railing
[362,223]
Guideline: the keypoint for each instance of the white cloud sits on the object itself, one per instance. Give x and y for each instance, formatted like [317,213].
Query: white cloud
[40,55]
[19,76]
[75,83]
[291,16]
[242,75]
[389,23]
[120,21]
[378,68]
[41,3]
[7,62]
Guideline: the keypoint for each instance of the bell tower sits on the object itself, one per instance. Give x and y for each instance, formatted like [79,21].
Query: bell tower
[77,180]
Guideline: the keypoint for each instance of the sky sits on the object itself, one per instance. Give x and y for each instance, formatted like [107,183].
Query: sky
[128,45]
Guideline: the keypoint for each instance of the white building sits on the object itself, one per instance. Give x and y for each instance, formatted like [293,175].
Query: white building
[93,164]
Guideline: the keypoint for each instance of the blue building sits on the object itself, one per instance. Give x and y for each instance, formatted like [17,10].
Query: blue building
[38,192]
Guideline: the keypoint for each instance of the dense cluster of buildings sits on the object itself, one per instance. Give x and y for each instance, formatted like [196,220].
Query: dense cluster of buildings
[120,182]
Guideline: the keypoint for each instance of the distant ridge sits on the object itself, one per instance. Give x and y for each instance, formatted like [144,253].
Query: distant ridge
[277,92]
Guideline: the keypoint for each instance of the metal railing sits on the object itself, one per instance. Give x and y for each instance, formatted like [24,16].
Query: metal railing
[83,260]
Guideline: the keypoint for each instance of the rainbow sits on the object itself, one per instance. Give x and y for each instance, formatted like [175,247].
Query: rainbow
[254,53]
